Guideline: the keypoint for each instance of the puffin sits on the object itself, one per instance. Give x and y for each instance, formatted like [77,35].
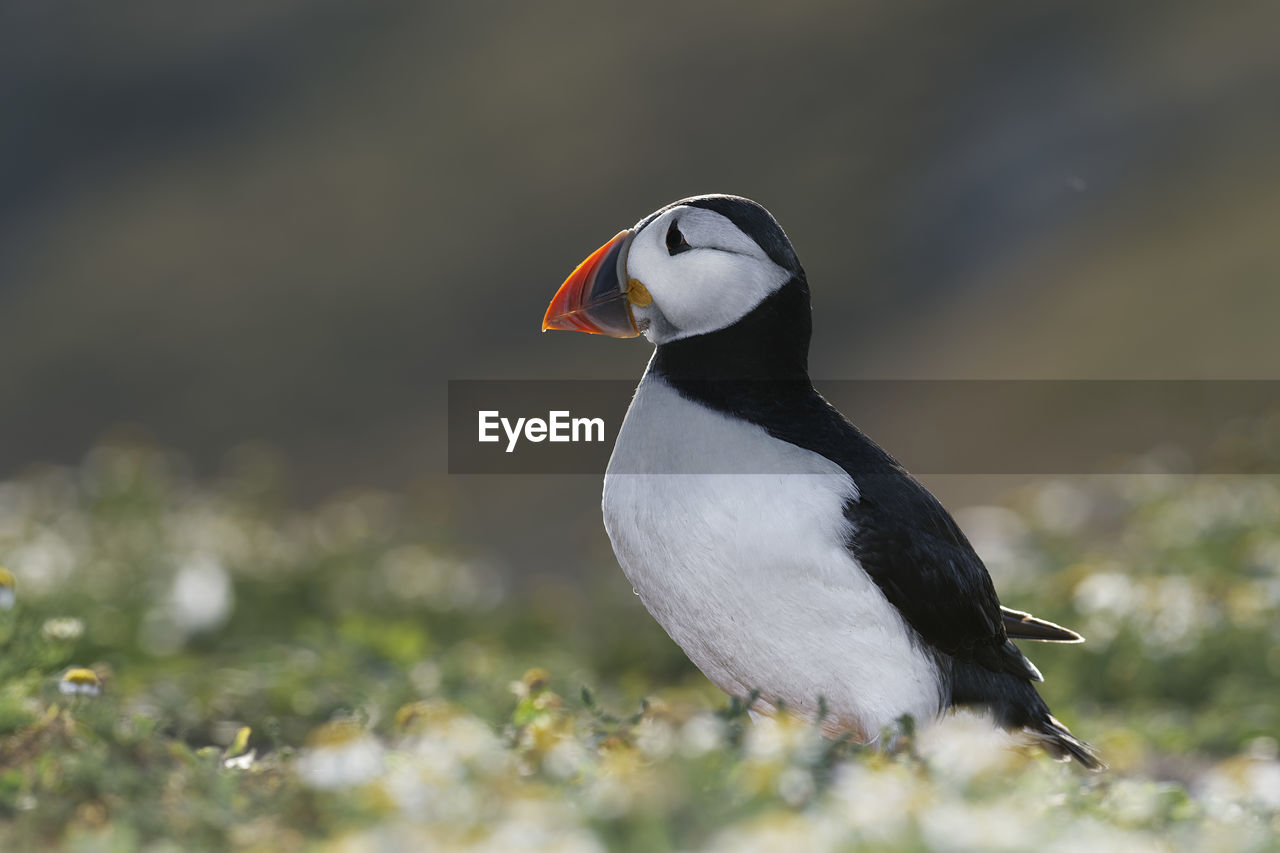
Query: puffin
[789,556]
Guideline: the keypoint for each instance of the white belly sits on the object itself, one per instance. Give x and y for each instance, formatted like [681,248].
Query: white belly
[748,572]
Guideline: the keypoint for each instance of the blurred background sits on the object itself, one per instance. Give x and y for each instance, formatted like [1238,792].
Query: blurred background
[291,223]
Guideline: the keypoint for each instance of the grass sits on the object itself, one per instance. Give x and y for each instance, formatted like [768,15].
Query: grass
[347,679]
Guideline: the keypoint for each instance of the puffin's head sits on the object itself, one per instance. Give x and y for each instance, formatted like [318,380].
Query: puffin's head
[693,267]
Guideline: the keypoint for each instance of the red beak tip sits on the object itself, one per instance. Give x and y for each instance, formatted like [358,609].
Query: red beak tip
[576,308]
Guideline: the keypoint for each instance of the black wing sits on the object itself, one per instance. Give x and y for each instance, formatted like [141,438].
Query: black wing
[922,562]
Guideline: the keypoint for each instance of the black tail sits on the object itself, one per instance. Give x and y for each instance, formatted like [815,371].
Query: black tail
[1059,742]
[1016,705]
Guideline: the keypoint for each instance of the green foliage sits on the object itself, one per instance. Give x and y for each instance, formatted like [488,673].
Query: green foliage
[273,680]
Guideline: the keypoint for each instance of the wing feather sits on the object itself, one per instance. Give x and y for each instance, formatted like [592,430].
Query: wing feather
[1024,626]
[922,562]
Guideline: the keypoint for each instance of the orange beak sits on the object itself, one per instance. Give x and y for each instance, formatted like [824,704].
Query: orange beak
[593,298]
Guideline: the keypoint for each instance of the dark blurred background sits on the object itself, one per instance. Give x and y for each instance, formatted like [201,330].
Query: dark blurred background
[291,223]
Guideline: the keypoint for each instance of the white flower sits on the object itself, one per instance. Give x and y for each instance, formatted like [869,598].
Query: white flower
[655,738]
[566,759]
[47,560]
[65,629]
[1108,592]
[701,734]
[765,740]
[964,745]
[879,804]
[1239,781]
[202,596]
[795,786]
[340,755]
[976,826]
[1180,614]
[1263,778]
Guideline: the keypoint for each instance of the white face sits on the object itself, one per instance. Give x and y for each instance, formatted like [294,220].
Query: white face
[709,285]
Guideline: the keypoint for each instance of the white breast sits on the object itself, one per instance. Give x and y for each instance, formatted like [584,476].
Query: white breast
[743,563]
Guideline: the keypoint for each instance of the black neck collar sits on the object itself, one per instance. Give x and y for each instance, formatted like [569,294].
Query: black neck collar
[757,370]
[769,344]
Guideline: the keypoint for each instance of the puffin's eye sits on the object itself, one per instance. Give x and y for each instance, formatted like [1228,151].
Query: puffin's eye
[676,243]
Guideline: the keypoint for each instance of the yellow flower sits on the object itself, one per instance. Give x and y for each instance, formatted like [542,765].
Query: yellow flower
[80,681]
